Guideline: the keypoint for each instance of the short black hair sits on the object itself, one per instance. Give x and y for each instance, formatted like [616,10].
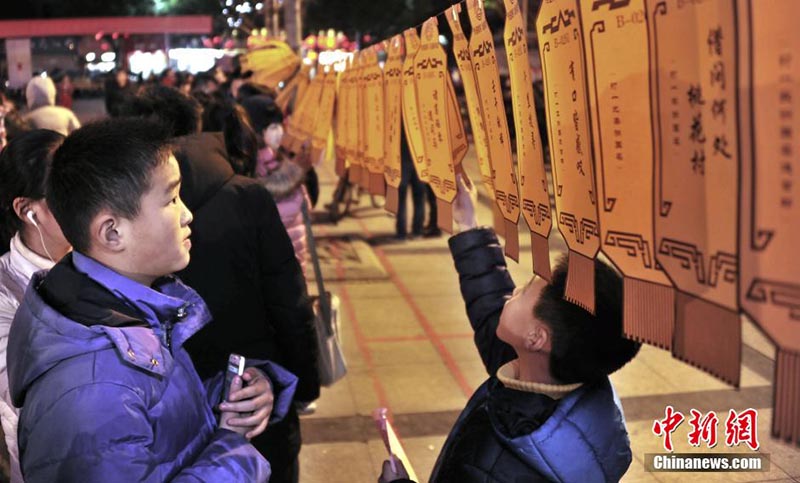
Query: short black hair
[176,111]
[24,167]
[585,347]
[103,165]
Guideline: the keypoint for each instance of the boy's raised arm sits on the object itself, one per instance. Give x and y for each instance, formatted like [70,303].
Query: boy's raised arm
[483,276]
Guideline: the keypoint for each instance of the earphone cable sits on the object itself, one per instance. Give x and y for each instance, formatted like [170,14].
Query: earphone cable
[44,245]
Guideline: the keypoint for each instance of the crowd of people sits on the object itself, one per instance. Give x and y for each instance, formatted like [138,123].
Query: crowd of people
[141,250]
[229,181]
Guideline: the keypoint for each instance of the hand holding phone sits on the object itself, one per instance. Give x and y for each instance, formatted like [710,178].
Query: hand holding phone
[232,383]
[235,368]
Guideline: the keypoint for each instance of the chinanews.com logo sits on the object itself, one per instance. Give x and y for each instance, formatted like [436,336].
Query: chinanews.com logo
[741,431]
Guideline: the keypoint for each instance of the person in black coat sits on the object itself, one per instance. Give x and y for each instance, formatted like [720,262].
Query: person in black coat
[118,90]
[243,265]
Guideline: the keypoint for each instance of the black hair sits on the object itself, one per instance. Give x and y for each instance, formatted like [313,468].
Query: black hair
[177,112]
[203,98]
[262,111]
[24,167]
[103,165]
[241,142]
[250,89]
[237,72]
[202,79]
[585,347]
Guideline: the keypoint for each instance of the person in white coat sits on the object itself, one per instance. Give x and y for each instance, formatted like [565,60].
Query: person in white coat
[35,243]
[43,113]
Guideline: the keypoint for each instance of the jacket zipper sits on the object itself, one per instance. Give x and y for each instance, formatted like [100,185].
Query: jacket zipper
[168,335]
[168,325]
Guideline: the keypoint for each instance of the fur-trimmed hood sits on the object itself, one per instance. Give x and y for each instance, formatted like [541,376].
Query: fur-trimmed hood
[283,177]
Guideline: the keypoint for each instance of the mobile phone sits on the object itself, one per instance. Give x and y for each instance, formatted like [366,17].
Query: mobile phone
[235,368]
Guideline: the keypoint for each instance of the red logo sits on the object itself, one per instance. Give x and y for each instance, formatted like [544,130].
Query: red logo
[668,425]
[742,428]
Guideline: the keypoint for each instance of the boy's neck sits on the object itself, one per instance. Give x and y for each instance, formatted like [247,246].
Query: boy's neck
[145,280]
[137,277]
[535,367]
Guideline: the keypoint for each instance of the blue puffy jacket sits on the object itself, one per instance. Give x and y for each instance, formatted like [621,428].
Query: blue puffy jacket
[116,397]
[507,435]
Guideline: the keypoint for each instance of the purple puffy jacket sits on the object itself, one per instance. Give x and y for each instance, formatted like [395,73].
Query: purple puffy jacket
[104,403]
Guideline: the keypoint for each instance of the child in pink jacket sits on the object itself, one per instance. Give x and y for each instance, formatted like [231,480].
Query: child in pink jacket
[282,176]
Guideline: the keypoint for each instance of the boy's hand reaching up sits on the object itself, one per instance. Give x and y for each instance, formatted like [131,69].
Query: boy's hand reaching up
[248,409]
[464,203]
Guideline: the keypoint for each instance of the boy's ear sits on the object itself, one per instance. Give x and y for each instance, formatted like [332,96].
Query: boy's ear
[106,233]
[538,339]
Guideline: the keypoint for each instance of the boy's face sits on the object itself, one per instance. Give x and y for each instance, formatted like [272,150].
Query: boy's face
[517,319]
[159,243]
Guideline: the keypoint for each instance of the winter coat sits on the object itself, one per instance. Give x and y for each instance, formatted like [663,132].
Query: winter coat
[44,113]
[244,267]
[284,181]
[96,361]
[508,435]
[16,269]
[116,96]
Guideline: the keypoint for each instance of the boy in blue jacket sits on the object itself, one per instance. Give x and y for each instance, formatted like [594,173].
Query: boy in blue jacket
[95,355]
[548,411]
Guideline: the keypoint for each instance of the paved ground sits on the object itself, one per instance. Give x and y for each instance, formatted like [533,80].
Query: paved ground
[409,348]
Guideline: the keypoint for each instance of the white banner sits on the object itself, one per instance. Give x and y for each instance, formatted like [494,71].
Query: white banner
[20,68]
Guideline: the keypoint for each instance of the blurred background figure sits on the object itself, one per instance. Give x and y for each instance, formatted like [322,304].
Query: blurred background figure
[169,78]
[118,90]
[409,179]
[43,113]
[64,90]
[185,82]
[205,82]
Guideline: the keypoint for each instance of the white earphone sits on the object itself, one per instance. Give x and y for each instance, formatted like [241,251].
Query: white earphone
[31,216]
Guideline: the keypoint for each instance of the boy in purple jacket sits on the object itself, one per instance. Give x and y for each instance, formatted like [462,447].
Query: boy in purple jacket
[95,356]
